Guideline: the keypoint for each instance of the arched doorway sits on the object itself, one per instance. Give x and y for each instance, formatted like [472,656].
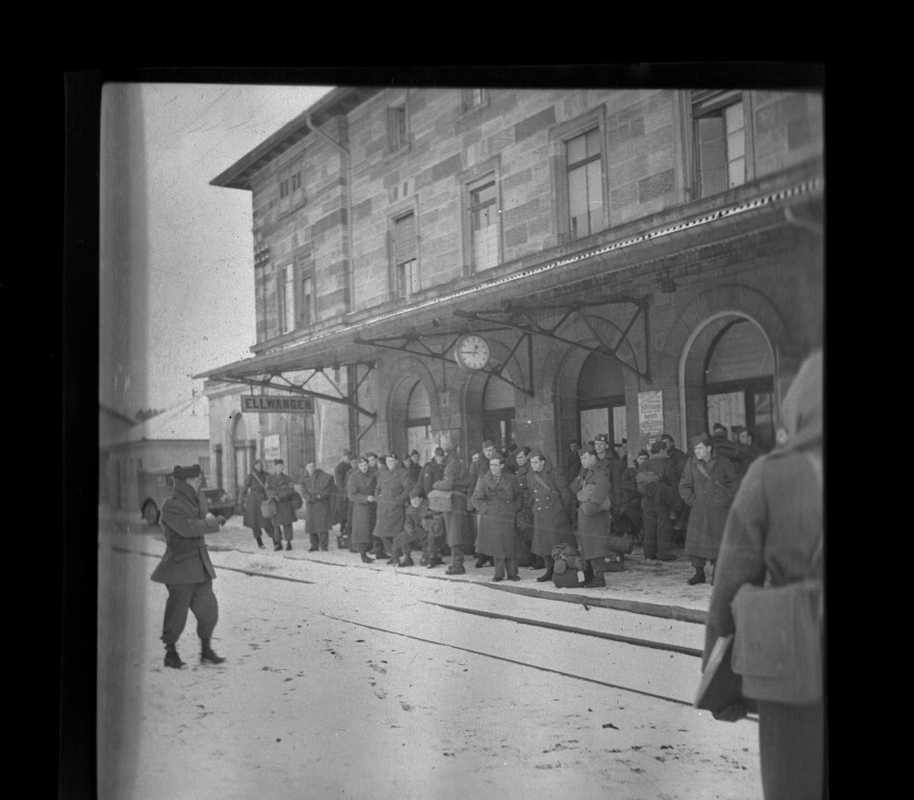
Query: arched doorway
[498,412]
[601,399]
[419,422]
[728,376]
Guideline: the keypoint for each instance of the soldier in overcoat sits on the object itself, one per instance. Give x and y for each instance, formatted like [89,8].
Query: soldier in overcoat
[186,568]
[432,472]
[456,479]
[479,467]
[609,461]
[551,506]
[497,497]
[659,498]
[340,498]
[592,489]
[282,490]
[317,488]
[255,493]
[524,521]
[361,492]
[392,493]
[708,485]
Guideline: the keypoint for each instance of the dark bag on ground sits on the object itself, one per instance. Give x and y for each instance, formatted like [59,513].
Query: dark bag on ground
[565,566]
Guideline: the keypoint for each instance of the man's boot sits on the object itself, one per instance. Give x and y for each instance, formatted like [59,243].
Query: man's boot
[277,546]
[258,540]
[315,543]
[363,552]
[288,545]
[547,575]
[324,540]
[698,577]
[407,560]
[483,561]
[207,654]
[172,659]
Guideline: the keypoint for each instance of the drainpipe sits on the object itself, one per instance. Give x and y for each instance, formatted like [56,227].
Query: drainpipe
[348,167]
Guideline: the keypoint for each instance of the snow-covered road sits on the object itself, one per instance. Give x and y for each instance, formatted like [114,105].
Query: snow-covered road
[310,706]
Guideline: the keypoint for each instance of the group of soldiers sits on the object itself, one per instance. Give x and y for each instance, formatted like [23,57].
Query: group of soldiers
[513,509]
[509,509]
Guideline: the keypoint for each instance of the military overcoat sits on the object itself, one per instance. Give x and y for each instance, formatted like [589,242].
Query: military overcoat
[359,487]
[593,488]
[497,500]
[392,491]
[281,487]
[456,479]
[317,492]
[708,488]
[550,504]
[255,493]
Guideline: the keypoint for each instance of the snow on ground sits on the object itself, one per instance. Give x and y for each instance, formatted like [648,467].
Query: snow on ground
[307,706]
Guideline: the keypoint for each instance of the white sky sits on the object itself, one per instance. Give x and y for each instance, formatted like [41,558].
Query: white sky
[200,257]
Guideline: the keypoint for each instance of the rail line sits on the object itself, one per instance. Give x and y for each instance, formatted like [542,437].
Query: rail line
[571,675]
[616,637]
[646,643]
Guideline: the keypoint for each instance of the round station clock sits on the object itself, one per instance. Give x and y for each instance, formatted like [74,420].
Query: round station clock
[472,351]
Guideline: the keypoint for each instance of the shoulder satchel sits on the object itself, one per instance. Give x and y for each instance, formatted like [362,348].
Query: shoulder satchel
[777,647]
[268,506]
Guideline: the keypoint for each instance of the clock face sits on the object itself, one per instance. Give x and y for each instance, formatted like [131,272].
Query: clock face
[472,352]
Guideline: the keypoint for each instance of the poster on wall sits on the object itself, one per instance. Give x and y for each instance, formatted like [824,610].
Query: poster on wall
[271,446]
[650,413]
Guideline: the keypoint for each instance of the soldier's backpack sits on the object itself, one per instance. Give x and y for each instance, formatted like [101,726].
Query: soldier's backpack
[566,566]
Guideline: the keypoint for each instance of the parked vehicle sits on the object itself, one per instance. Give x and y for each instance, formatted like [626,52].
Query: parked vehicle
[156,487]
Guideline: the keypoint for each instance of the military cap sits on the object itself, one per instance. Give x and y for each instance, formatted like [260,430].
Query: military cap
[184,473]
[701,438]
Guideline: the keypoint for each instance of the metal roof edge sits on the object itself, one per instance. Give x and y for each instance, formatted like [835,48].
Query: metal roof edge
[232,178]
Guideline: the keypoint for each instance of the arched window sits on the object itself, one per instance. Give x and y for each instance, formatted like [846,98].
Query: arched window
[739,381]
[418,422]
[498,412]
[601,399]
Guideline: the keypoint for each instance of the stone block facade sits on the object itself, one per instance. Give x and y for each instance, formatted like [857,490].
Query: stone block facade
[337,229]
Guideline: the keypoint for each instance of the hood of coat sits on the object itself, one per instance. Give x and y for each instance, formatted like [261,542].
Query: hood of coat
[801,411]
[185,490]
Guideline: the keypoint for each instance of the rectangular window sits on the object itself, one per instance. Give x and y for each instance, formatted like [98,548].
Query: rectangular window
[283,188]
[307,292]
[720,142]
[285,299]
[406,267]
[585,183]
[484,226]
[396,128]
[296,181]
[473,98]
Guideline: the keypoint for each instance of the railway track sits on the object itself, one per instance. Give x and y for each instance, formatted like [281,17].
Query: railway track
[648,644]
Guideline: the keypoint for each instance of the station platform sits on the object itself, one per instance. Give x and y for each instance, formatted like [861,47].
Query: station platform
[653,588]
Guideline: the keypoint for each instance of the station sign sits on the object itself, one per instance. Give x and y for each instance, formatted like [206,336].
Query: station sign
[276,404]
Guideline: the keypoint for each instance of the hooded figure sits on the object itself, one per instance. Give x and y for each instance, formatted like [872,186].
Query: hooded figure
[774,529]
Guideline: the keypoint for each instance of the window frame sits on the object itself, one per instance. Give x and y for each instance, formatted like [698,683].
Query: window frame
[394,147]
[396,213]
[470,180]
[282,282]
[303,274]
[560,135]
[713,103]
[466,93]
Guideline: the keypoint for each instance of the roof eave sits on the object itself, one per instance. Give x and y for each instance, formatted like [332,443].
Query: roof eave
[238,175]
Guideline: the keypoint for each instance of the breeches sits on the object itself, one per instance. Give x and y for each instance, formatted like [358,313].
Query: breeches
[199,598]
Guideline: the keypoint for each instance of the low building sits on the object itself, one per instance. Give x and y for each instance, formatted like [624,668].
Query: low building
[135,461]
[538,266]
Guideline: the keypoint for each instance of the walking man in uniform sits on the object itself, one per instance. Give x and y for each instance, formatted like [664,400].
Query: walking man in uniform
[186,568]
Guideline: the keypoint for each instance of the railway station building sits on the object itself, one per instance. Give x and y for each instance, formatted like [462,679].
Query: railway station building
[442,266]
